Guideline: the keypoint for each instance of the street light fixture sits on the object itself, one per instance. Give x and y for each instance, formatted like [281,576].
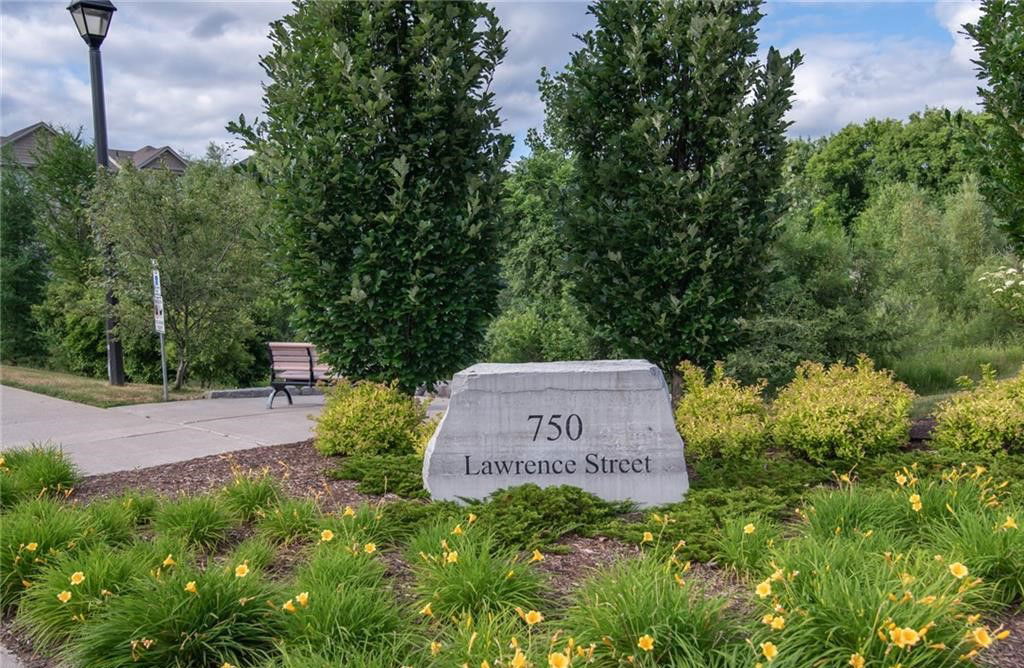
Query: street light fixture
[92,18]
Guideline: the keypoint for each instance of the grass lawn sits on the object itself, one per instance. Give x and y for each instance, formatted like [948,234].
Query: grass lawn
[92,391]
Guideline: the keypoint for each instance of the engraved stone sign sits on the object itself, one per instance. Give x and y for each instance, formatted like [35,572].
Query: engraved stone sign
[603,426]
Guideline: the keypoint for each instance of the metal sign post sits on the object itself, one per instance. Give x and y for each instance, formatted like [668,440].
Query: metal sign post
[158,321]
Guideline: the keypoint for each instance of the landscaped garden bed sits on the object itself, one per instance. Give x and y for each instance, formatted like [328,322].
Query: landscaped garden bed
[853,546]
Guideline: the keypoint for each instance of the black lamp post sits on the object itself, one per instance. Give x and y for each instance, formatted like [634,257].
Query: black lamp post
[92,18]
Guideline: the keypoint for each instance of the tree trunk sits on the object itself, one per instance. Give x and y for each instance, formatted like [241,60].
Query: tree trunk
[677,387]
[181,375]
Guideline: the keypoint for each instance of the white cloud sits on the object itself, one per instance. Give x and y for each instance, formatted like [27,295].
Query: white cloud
[177,72]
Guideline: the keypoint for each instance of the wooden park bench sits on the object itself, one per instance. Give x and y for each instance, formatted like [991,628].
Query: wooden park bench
[294,364]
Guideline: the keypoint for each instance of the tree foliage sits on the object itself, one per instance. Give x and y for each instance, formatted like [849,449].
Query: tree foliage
[381,145]
[22,265]
[999,34]
[204,228]
[678,135]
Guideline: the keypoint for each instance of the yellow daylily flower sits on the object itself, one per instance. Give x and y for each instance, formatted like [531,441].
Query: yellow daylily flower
[348,512]
[558,660]
[169,560]
[426,610]
[856,660]
[769,650]
[648,537]
[77,578]
[646,643]
[190,587]
[326,536]
[764,589]
[289,607]
[303,599]
[64,596]
[958,570]
[533,617]
[370,548]
[241,570]
[32,547]
[1010,523]
[536,556]
[981,637]
[749,529]
[435,648]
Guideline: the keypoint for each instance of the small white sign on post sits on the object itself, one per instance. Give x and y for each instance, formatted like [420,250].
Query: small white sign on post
[158,321]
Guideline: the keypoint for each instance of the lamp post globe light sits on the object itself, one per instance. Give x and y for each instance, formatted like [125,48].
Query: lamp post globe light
[92,18]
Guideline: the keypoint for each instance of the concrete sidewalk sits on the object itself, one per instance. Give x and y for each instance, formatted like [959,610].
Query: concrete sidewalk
[127,437]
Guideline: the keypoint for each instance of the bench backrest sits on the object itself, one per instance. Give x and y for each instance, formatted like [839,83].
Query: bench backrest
[296,362]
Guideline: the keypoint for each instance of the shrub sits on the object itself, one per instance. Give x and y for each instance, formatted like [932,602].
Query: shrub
[292,519]
[33,472]
[256,551]
[720,418]
[163,623]
[986,419]
[633,598]
[369,418]
[51,621]
[528,516]
[841,411]
[380,474]
[341,605]
[202,521]
[35,533]
[461,569]
[250,495]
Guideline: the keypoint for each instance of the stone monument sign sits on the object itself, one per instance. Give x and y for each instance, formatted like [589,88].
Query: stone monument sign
[604,426]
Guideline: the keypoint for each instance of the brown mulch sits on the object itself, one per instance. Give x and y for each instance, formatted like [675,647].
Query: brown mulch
[1009,652]
[297,466]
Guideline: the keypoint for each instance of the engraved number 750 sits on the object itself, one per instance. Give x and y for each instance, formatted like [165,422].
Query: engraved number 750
[573,426]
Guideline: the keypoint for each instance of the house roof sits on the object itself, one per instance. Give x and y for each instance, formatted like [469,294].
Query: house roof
[23,144]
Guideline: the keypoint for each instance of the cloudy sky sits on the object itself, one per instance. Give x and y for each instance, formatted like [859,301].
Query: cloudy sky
[176,72]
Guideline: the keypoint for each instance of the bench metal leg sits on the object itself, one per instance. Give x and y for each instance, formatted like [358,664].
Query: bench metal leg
[274,392]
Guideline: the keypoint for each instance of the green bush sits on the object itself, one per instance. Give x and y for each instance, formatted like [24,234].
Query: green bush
[35,471]
[528,516]
[987,419]
[166,622]
[381,474]
[613,609]
[744,542]
[841,411]
[461,569]
[369,418]
[202,521]
[720,417]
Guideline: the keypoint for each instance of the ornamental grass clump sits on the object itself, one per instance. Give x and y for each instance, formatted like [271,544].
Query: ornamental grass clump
[35,471]
[460,568]
[289,521]
[498,639]
[75,588]
[181,616]
[369,418]
[744,543]
[339,603]
[846,598]
[35,533]
[249,495]
[639,608]
[987,418]
[112,520]
[719,417]
[201,521]
[844,412]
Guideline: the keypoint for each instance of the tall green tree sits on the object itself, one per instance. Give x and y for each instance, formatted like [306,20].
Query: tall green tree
[999,34]
[205,229]
[22,265]
[70,317]
[678,135]
[381,144]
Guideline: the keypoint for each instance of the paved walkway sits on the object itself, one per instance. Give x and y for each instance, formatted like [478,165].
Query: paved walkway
[115,439]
